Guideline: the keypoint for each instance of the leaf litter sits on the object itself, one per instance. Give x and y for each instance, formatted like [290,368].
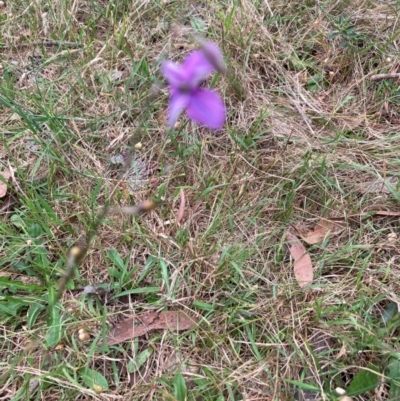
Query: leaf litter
[181,212]
[140,325]
[322,230]
[6,175]
[303,269]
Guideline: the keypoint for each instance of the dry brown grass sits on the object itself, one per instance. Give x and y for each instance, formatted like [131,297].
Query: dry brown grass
[305,127]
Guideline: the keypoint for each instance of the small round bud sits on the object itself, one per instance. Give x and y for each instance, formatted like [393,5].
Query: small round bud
[340,391]
[138,146]
[388,59]
[97,388]
[29,242]
[147,206]
[83,335]
[75,251]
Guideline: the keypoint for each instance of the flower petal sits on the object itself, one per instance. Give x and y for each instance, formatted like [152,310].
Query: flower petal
[196,68]
[174,73]
[177,103]
[214,56]
[207,108]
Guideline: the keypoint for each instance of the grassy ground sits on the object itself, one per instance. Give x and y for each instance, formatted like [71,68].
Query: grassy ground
[307,135]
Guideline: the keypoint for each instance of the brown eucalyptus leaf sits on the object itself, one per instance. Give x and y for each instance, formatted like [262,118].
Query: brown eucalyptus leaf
[303,269]
[3,182]
[323,229]
[140,325]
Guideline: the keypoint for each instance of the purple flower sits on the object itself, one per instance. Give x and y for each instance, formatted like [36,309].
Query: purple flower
[202,105]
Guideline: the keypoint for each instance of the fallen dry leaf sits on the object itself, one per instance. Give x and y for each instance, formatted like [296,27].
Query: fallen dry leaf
[181,212]
[139,326]
[3,185]
[321,231]
[303,270]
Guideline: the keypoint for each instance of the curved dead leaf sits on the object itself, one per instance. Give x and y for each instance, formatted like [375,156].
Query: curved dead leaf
[141,325]
[303,269]
[3,182]
[181,212]
[323,229]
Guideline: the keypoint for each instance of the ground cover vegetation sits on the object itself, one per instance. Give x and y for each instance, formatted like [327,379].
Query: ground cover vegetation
[259,261]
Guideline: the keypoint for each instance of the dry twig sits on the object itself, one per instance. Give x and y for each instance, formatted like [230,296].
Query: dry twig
[379,77]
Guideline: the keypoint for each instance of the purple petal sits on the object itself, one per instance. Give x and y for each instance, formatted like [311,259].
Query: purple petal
[177,103]
[207,108]
[174,74]
[196,67]
[214,56]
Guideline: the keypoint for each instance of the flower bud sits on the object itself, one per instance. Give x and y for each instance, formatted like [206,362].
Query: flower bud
[340,391]
[213,55]
[83,335]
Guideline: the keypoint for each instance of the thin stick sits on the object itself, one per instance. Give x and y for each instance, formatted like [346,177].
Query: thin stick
[46,43]
[379,77]
[77,253]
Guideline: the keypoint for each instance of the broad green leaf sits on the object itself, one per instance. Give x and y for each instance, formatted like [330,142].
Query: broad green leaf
[363,381]
[33,313]
[164,273]
[18,285]
[394,377]
[11,305]
[180,387]
[54,323]
[134,366]
[116,259]
[90,377]
[35,231]
[18,222]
